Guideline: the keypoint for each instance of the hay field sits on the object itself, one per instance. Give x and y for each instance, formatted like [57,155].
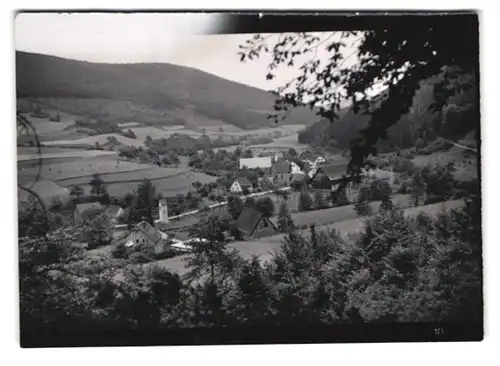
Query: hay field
[47,190]
[66,169]
[169,186]
[466,164]
[133,172]
[91,140]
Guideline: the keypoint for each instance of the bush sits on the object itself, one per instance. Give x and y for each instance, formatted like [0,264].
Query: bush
[120,251]
[419,143]
[56,118]
[165,254]
[380,190]
[362,205]
[305,201]
[140,258]
[319,200]
[266,206]
[404,165]
[434,198]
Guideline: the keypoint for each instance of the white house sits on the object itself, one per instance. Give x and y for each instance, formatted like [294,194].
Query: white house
[295,168]
[240,184]
[264,162]
[319,160]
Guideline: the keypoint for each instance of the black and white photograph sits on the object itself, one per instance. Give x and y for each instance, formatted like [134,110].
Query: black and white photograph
[222,178]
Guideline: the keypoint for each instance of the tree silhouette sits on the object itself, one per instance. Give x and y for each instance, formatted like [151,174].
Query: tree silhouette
[394,58]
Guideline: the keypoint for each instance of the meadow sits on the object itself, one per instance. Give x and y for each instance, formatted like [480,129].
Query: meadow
[465,163]
[128,174]
[169,186]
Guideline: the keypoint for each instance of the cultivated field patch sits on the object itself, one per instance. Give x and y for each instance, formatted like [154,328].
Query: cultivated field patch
[92,140]
[170,186]
[47,190]
[134,173]
[82,167]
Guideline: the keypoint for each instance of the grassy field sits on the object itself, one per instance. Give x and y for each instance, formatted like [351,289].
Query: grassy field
[129,174]
[91,140]
[47,190]
[465,163]
[170,186]
[65,169]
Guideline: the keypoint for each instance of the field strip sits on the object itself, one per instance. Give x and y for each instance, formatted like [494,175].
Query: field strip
[103,174]
[138,180]
[69,154]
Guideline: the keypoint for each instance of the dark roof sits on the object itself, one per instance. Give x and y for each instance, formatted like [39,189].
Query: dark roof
[243,181]
[335,171]
[282,167]
[298,178]
[248,220]
[150,232]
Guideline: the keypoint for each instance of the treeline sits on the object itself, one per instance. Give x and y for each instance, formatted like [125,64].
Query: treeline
[399,269]
[421,125]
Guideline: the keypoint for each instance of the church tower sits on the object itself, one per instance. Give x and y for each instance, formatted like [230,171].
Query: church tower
[163,208]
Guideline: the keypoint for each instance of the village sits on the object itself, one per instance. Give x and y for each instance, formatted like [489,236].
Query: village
[281,179]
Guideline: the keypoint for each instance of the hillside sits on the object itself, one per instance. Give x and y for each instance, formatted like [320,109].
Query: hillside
[148,93]
[452,123]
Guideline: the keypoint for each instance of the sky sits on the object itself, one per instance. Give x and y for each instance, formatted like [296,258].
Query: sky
[131,38]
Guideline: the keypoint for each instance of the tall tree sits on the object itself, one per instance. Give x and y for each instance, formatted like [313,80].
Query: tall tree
[418,188]
[235,206]
[285,221]
[319,200]
[396,57]
[97,187]
[210,256]
[266,206]
[305,201]
[77,192]
[145,200]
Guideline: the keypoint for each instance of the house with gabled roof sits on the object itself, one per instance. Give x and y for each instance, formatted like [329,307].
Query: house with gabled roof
[319,179]
[145,234]
[240,185]
[280,173]
[253,224]
[86,211]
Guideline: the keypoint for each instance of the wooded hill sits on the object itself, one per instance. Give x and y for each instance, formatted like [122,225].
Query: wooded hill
[148,93]
[453,122]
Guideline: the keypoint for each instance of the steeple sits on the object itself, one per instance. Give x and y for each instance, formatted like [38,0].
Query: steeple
[163,209]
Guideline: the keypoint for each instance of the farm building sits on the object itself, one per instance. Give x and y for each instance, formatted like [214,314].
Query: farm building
[335,171]
[144,234]
[86,211]
[319,179]
[299,181]
[240,184]
[254,163]
[253,224]
[280,173]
